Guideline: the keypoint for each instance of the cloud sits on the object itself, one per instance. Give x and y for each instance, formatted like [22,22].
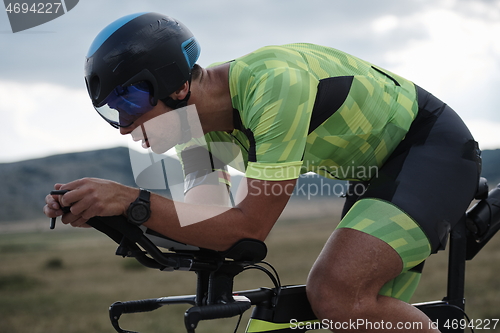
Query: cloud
[457,58]
[54,52]
[385,24]
[44,119]
[449,47]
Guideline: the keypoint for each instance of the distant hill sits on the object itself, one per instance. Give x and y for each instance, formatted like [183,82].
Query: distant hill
[491,166]
[25,184]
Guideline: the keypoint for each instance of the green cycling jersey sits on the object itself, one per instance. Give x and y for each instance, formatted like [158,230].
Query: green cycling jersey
[307,108]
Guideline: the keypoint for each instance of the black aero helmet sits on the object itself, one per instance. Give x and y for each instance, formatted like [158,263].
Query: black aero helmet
[142,47]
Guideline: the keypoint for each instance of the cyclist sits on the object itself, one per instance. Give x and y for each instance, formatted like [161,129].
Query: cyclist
[292,109]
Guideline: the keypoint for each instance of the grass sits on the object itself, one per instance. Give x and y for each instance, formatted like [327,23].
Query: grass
[64,281]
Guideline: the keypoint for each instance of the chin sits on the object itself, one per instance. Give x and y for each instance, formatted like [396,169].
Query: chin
[161,147]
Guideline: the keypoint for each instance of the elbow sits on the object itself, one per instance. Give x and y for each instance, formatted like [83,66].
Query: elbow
[252,230]
[228,242]
[245,230]
[260,235]
[235,226]
[231,241]
[255,227]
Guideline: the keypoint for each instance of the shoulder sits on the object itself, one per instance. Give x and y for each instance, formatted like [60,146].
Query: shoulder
[268,58]
[268,66]
[259,59]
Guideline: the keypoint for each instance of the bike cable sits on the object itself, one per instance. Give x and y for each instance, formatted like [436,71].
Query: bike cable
[238,323]
[274,271]
[273,276]
[462,311]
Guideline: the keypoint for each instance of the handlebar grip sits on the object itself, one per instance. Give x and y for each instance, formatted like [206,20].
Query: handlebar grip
[118,308]
[197,313]
[144,305]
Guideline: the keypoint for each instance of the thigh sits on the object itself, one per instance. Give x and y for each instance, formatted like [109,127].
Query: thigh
[354,265]
[385,221]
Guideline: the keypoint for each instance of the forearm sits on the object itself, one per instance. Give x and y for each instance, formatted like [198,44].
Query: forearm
[213,227]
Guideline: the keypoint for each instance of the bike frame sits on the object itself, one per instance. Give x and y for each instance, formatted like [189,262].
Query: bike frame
[282,308]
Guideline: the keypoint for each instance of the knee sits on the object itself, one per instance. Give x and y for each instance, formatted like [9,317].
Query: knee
[337,298]
[319,299]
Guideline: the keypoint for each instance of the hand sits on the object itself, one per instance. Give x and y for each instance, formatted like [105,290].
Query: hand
[89,197]
[53,209]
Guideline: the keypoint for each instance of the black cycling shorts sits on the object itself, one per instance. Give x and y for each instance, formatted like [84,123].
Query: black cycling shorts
[433,173]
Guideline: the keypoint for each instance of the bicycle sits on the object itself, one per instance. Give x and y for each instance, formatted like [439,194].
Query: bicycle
[282,308]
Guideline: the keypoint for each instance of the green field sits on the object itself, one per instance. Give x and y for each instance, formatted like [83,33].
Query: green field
[64,281]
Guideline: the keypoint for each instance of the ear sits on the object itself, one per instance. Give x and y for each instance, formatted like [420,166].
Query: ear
[182,92]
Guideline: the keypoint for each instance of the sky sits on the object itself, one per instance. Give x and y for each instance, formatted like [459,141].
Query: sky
[449,47]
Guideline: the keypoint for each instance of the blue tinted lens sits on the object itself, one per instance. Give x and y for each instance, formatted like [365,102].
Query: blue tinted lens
[130,100]
[125,104]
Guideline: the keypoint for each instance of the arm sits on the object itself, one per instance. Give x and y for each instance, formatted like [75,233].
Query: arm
[253,217]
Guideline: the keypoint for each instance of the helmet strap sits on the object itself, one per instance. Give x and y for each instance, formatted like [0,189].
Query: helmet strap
[186,134]
[178,103]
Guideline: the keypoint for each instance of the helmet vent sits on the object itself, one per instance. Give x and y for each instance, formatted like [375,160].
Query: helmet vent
[95,87]
[191,51]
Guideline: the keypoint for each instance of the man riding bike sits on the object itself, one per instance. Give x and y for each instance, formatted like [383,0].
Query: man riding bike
[290,109]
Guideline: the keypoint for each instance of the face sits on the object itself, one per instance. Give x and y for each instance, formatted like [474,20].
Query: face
[158,129]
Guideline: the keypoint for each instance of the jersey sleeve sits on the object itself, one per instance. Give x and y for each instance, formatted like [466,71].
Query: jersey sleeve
[275,105]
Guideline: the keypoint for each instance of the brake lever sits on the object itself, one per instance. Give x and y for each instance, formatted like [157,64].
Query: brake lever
[64,209]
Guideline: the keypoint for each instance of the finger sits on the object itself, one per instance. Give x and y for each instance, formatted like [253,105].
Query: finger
[52,207]
[75,184]
[55,197]
[77,191]
[78,208]
[69,218]
[75,220]
[82,213]
[57,186]
[51,201]
[50,212]
[79,223]
[87,207]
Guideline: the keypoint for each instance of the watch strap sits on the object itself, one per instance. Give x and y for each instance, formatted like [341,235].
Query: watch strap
[144,195]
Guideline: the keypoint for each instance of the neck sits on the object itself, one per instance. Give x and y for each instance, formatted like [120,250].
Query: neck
[210,94]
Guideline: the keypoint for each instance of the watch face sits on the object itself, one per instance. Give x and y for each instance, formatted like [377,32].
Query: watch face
[139,212]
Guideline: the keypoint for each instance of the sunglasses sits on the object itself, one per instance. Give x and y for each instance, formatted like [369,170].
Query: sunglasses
[124,105]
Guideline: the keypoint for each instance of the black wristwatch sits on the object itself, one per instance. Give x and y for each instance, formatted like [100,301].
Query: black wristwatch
[139,211]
